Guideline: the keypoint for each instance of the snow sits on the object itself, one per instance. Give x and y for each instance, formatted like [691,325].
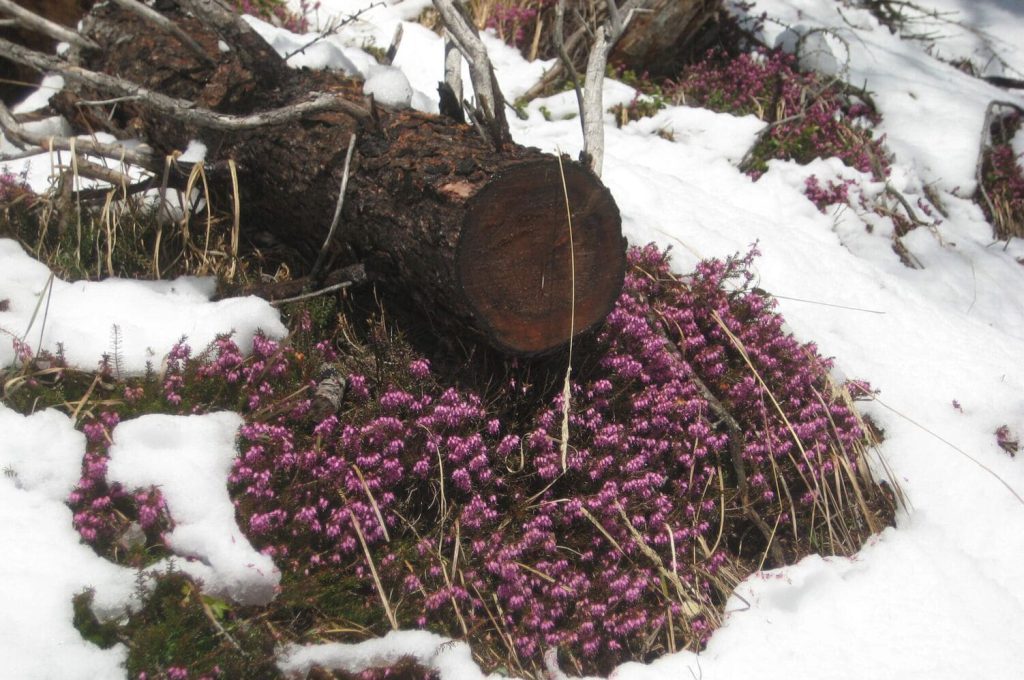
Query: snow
[136,322]
[44,563]
[189,458]
[939,597]
[932,112]
[389,86]
[447,658]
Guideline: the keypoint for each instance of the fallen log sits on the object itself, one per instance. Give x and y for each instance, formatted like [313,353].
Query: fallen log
[479,232]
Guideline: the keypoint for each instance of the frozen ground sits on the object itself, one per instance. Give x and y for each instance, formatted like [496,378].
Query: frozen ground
[941,597]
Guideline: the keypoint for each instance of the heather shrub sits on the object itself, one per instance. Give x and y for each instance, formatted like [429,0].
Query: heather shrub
[828,194]
[464,513]
[178,633]
[704,442]
[1001,187]
[16,199]
[12,188]
[516,22]
[810,116]
[1007,441]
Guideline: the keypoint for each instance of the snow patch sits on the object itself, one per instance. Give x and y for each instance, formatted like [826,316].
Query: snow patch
[189,459]
[134,322]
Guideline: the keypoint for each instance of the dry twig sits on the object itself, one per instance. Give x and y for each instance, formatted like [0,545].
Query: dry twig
[489,100]
[181,109]
[19,135]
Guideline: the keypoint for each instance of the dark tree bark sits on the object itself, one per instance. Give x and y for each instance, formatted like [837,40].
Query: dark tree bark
[656,39]
[476,233]
[17,80]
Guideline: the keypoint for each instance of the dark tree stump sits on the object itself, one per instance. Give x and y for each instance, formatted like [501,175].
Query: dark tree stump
[656,39]
[474,234]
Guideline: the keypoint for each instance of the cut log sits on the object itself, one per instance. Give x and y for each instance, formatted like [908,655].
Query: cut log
[656,38]
[475,235]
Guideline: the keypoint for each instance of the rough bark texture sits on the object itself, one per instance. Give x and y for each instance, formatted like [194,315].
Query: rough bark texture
[656,40]
[477,234]
[16,81]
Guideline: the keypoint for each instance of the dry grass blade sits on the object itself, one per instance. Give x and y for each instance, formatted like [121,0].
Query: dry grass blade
[567,385]
[236,216]
[691,607]
[956,448]
[373,571]
[373,503]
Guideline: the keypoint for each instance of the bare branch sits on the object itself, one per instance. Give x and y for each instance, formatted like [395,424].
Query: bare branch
[559,35]
[335,24]
[313,294]
[396,41]
[614,18]
[593,107]
[45,26]
[453,66]
[557,72]
[141,155]
[490,102]
[165,24]
[337,210]
[180,109]
[90,170]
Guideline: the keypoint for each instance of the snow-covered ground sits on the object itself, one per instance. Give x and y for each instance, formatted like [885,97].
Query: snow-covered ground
[941,597]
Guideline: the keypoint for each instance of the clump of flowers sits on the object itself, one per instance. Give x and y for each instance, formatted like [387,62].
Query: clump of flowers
[1001,193]
[703,441]
[469,514]
[1007,441]
[16,200]
[810,116]
[104,513]
[515,22]
[823,196]
[12,187]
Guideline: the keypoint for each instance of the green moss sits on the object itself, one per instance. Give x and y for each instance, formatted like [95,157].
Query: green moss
[103,635]
[178,626]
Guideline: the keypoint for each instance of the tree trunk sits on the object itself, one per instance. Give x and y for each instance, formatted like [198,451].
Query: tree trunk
[656,39]
[476,233]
